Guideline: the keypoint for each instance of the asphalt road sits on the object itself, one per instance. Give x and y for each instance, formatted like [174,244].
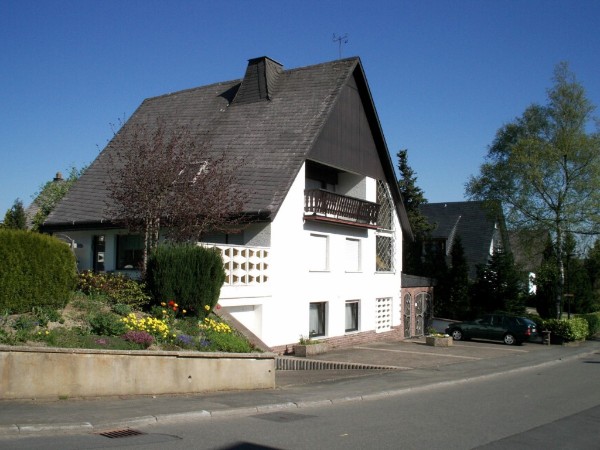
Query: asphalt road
[554,407]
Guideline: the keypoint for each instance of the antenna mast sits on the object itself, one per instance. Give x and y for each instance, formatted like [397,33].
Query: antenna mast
[340,40]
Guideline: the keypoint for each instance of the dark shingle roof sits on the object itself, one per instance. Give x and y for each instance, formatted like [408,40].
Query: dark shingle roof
[472,221]
[271,125]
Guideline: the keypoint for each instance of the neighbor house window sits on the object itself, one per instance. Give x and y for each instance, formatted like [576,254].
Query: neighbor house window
[317,319]
[319,252]
[352,255]
[352,315]
[130,250]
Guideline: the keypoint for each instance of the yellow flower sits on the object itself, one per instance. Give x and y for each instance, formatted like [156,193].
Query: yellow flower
[206,307]
[183,311]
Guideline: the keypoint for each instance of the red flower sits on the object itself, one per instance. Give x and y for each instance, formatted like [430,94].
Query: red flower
[218,306]
[171,302]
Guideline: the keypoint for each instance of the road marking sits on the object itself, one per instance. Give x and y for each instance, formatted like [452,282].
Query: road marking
[418,353]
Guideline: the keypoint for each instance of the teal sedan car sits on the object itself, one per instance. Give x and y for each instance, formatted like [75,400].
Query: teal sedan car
[512,330]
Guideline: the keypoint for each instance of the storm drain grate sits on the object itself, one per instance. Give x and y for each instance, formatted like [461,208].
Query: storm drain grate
[120,433]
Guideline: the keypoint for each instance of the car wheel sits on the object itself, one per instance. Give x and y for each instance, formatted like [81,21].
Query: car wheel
[457,334]
[509,339]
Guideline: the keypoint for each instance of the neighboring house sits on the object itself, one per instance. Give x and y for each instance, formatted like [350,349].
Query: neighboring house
[322,257]
[480,231]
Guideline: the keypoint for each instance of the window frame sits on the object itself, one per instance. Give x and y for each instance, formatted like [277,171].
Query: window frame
[312,261]
[321,308]
[122,263]
[355,316]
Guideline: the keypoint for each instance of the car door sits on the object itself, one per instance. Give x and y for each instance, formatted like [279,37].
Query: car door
[481,328]
[497,327]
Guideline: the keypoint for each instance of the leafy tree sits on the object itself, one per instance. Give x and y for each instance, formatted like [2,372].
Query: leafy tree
[163,181]
[51,193]
[498,286]
[592,265]
[413,198]
[14,218]
[545,169]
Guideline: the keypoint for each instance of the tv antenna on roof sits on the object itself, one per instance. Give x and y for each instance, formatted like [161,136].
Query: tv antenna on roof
[340,40]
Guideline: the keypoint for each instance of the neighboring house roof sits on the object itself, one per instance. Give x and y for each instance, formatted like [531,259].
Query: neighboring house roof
[528,248]
[271,118]
[473,222]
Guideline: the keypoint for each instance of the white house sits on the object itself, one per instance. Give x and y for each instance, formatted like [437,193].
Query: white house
[322,256]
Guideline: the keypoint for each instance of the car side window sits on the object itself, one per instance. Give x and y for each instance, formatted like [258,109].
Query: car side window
[486,320]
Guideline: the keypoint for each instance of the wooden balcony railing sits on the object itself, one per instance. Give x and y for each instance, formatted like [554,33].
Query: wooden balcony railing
[328,206]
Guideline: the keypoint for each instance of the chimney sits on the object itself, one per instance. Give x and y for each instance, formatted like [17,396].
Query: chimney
[260,80]
[58,177]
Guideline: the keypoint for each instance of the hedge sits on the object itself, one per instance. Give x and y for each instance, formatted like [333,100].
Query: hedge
[568,329]
[188,274]
[35,270]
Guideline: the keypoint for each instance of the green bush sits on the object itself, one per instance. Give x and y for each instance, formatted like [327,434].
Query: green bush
[188,274]
[107,324]
[117,287]
[569,329]
[35,270]
[593,321]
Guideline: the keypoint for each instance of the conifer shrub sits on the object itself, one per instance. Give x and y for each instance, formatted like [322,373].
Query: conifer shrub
[188,274]
[36,270]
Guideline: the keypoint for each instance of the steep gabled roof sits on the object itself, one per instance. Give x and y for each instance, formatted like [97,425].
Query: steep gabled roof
[271,119]
[472,221]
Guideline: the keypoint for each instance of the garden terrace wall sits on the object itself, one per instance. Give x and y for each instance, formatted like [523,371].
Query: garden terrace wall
[29,372]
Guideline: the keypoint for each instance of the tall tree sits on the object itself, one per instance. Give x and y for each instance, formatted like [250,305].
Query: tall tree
[51,193]
[545,169]
[498,286]
[458,282]
[163,181]
[413,198]
[15,217]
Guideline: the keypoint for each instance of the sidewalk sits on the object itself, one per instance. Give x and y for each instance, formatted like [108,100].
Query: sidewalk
[416,367]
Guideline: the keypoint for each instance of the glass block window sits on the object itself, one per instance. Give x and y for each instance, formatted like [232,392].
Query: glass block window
[383,314]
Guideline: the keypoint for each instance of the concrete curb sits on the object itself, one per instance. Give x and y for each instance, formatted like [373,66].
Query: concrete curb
[82,427]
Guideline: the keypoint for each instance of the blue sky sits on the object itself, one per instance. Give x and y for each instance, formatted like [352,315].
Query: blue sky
[444,75]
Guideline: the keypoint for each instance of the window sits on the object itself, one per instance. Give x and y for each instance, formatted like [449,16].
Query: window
[317,319]
[352,315]
[352,255]
[129,252]
[319,250]
[384,240]
[384,253]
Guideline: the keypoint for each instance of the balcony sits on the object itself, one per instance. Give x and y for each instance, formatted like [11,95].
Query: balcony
[325,206]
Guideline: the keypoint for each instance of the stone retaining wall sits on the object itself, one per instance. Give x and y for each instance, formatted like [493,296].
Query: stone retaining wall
[30,372]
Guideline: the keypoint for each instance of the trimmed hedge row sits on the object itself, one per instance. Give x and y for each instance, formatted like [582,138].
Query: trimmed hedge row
[568,329]
[190,275]
[35,270]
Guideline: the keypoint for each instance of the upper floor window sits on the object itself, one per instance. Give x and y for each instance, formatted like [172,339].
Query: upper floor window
[352,260]
[386,207]
[319,252]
